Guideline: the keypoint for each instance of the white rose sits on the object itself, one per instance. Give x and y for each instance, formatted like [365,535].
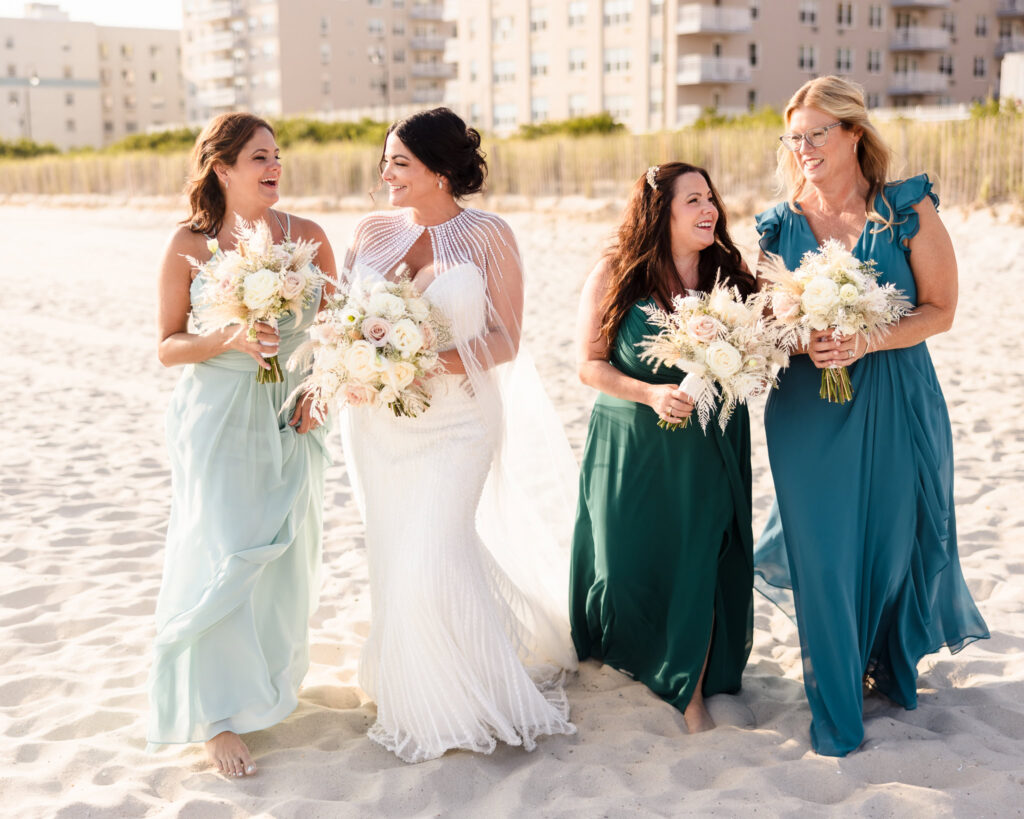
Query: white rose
[820,296]
[387,305]
[689,303]
[418,308]
[402,374]
[387,394]
[723,359]
[260,289]
[361,360]
[848,294]
[406,337]
[294,283]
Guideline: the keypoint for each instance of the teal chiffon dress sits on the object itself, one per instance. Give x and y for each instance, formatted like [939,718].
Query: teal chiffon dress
[863,529]
[241,567]
[662,548]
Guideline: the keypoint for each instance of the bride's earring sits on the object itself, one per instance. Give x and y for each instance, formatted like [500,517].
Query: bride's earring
[440,183]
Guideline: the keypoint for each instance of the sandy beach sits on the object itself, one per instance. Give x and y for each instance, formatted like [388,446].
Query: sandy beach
[84,494]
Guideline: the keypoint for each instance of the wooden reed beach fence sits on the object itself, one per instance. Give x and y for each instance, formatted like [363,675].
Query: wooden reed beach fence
[975,161]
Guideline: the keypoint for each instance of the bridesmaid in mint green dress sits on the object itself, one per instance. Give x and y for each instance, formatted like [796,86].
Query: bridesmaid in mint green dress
[864,529]
[661,572]
[243,542]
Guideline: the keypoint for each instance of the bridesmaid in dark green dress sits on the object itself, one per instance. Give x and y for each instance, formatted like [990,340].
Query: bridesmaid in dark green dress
[661,572]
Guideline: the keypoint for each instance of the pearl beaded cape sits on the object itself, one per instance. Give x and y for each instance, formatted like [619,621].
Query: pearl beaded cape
[526,509]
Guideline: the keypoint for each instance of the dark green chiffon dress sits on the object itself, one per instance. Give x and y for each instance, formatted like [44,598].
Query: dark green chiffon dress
[662,548]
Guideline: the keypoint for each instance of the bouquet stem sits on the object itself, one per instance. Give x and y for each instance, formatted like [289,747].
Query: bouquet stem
[271,376]
[672,427]
[835,385]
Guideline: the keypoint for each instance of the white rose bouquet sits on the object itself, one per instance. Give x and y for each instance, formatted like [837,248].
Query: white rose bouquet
[831,288]
[373,346]
[724,344]
[256,281]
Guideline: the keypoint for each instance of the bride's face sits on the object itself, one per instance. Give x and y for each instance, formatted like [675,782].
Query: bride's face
[409,181]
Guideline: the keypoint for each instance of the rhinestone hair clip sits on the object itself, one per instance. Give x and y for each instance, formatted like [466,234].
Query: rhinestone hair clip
[652,172]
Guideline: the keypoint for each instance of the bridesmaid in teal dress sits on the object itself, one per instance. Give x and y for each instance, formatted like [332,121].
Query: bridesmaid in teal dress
[863,529]
[662,571]
[243,542]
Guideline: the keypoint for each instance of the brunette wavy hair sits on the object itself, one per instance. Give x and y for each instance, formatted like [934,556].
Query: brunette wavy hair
[219,144]
[640,259]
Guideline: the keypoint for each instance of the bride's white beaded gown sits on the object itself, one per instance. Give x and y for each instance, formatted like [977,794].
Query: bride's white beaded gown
[469,636]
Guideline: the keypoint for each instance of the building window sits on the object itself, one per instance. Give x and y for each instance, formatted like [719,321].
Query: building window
[375,3]
[808,12]
[68,72]
[844,60]
[154,77]
[755,9]
[577,13]
[398,55]
[617,12]
[538,63]
[131,127]
[399,83]
[399,4]
[981,26]
[104,50]
[398,29]
[753,54]
[656,52]
[616,60]
[874,61]
[657,102]
[844,14]
[807,58]
[325,87]
[577,105]
[325,26]
[69,98]
[577,59]
[505,115]
[946,64]
[69,126]
[375,27]
[9,42]
[979,67]
[154,51]
[108,102]
[108,127]
[325,53]
[539,109]
[12,70]
[504,71]
[157,102]
[474,70]
[127,52]
[538,19]
[501,28]
[618,105]
[129,102]
[876,17]
[949,22]
[874,100]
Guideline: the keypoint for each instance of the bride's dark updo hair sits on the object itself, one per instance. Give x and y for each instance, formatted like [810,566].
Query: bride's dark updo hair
[441,141]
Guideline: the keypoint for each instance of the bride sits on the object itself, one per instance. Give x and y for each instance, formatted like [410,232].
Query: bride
[465,506]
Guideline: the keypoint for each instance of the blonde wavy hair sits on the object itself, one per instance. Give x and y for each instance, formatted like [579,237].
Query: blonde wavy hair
[843,100]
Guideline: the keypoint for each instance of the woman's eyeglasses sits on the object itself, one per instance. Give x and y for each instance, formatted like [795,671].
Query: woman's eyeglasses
[816,137]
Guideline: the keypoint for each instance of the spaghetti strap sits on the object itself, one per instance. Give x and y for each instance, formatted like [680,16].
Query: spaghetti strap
[286,227]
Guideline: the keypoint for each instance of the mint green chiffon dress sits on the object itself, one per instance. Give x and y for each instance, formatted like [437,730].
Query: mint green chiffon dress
[661,561]
[863,529]
[242,561]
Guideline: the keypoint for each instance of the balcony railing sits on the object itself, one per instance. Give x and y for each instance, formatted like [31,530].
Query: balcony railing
[1005,45]
[918,82]
[427,43]
[694,69]
[218,70]
[920,4]
[218,41]
[1010,8]
[428,96]
[428,11]
[704,18]
[217,11]
[919,39]
[434,70]
[217,97]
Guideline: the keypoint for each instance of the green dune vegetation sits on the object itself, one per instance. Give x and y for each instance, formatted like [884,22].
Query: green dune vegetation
[973,161]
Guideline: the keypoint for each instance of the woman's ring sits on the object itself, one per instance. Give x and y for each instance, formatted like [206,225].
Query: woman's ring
[850,353]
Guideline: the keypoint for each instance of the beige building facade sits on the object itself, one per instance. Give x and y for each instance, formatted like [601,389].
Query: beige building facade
[330,58]
[658,64]
[81,85]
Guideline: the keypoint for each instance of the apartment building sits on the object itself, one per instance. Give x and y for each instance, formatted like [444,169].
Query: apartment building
[78,84]
[657,64]
[337,58]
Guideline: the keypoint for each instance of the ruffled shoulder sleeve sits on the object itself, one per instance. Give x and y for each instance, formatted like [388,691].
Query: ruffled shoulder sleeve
[769,225]
[899,198]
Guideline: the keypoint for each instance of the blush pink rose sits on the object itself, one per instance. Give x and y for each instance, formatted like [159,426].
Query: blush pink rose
[703,328]
[357,394]
[294,283]
[376,330]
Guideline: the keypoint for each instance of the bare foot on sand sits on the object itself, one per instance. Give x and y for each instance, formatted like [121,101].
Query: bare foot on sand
[696,716]
[229,754]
